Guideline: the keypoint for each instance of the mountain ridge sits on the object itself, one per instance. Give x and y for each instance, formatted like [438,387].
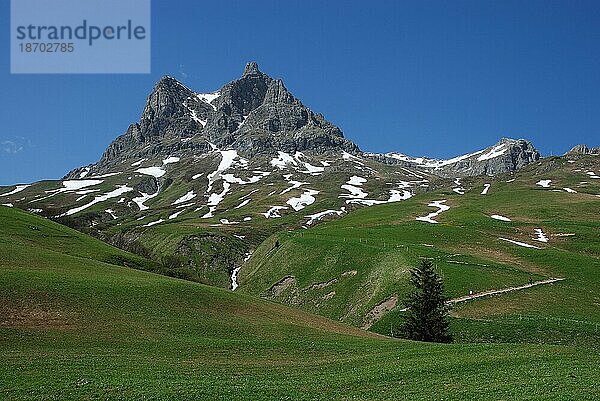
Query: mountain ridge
[256,115]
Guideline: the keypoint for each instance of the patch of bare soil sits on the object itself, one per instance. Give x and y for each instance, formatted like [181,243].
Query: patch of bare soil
[379,310]
[43,317]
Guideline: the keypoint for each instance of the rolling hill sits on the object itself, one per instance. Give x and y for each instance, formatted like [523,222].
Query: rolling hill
[75,323]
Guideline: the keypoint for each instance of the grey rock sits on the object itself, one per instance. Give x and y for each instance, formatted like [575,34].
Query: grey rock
[508,155]
[583,150]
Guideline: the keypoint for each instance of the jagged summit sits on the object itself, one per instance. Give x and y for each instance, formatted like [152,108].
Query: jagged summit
[254,114]
[251,70]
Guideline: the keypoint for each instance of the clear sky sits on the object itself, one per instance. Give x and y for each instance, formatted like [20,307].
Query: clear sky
[435,78]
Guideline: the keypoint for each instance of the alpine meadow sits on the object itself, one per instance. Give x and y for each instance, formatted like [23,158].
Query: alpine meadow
[235,244]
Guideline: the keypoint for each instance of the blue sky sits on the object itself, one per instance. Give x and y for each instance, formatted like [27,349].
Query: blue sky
[420,77]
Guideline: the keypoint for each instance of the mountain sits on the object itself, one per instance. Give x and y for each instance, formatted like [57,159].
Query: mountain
[505,156]
[202,179]
[254,114]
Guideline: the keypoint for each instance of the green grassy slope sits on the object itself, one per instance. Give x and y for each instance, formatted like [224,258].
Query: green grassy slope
[74,326]
[344,268]
[181,235]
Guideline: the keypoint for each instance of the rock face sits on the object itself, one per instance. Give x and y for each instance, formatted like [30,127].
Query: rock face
[255,115]
[583,150]
[507,155]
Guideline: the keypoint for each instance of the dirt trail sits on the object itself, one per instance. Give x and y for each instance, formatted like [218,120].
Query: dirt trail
[502,291]
[495,292]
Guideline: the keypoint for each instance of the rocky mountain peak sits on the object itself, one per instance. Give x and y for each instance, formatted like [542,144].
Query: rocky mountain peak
[251,70]
[167,81]
[165,103]
[254,114]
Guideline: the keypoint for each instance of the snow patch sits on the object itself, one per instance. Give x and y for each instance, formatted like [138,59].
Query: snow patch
[254,179]
[459,189]
[523,244]
[355,192]
[121,189]
[244,203]
[143,198]
[441,208]
[310,169]
[540,236]
[176,214]
[74,185]
[210,212]
[155,172]
[214,199]
[352,158]
[306,199]
[106,175]
[544,183]
[395,196]
[282,160]
[498,217]
[496,151]
[17,189]
[228,159]
[209,98]
[356,180]
[486,188]
[295,184]
[318,216]
[273,212]
[592,175]
[170,160]
[154,223]
[187,197]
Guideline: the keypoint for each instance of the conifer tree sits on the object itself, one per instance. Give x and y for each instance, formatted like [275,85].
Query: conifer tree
[426,318]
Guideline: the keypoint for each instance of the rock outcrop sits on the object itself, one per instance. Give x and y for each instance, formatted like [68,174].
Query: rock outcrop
[583,150]
[507,155]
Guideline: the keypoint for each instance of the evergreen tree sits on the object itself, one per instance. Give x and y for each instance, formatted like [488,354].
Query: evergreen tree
[426,318]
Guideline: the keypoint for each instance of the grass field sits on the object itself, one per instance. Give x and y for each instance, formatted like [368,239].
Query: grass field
[76,324]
